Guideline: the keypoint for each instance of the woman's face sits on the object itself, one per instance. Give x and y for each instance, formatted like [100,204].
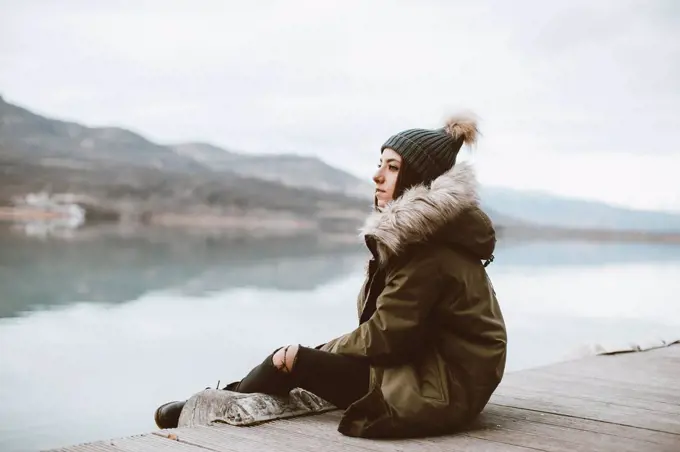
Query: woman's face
[386,177]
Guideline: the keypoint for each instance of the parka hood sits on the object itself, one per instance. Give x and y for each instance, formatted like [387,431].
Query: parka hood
[446,212]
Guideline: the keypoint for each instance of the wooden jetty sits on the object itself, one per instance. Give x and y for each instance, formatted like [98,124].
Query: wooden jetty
[615,402]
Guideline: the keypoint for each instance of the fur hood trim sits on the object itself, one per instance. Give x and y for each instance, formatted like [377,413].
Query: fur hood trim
[421,211]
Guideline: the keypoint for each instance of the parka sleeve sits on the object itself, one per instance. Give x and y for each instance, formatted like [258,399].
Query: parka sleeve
[399,324]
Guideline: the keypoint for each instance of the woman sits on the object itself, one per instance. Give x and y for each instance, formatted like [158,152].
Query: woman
[431,343]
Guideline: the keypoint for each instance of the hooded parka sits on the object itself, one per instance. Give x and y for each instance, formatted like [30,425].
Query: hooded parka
[429,323]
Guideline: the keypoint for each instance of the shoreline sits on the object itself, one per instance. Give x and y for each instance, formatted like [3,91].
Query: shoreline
[19,214]
[284,225]
[589,234]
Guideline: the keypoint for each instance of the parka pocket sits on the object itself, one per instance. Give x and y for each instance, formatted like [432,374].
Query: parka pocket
[431,372]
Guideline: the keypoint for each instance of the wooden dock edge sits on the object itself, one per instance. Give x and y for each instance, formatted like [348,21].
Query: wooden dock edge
[613,348]
[623,399]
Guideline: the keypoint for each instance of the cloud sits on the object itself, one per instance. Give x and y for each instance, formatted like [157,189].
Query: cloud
[335,78]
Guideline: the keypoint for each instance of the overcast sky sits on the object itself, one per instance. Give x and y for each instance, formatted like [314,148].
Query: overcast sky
[580,98]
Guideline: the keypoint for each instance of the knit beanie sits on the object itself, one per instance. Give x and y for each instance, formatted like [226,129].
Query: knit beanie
[431,153]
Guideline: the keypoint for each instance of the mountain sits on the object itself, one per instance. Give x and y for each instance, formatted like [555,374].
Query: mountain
[118,174]
[288,169]
[52,142]
[544,209]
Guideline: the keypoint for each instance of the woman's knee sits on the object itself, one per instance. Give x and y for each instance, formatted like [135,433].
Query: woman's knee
[285,357]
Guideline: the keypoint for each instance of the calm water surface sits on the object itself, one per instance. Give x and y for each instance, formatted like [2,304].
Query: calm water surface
[97,331]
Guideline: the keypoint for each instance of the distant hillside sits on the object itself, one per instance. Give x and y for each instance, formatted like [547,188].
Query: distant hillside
[118,174]
[288,169]
[549,210]
[51,142]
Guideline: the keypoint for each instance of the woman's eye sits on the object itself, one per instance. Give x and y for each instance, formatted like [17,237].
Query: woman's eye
[394,168]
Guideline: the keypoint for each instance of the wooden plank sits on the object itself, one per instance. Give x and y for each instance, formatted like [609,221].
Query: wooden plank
[653,376]
[451,443]
[576,423]
[590,385]
[643,385]
[99,446]
[140,443]
[578,391]
[151,442]
[668,354]
[214,438]
[598,411]
[620,368]
[670,351]
[621,375]
[263,437]
[462,442]
[324,428]
[558,438]
[310,438]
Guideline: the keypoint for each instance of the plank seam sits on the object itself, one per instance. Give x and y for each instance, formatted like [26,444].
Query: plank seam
[578,429]
[588,419]
[596,399]
[180,440]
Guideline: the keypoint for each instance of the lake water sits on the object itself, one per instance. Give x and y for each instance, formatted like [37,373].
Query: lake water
[98,330]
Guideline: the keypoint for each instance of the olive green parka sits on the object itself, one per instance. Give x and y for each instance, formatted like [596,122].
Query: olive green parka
[430,324]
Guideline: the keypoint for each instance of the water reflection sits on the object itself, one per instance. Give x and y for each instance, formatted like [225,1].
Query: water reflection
[111,267]
[541,253]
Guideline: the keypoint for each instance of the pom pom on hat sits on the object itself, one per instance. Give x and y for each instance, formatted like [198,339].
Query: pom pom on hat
[462,126]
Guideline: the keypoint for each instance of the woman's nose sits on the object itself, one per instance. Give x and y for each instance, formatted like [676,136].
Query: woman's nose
[378,177]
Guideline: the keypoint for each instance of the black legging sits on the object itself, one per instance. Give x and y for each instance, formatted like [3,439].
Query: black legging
[338,379]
